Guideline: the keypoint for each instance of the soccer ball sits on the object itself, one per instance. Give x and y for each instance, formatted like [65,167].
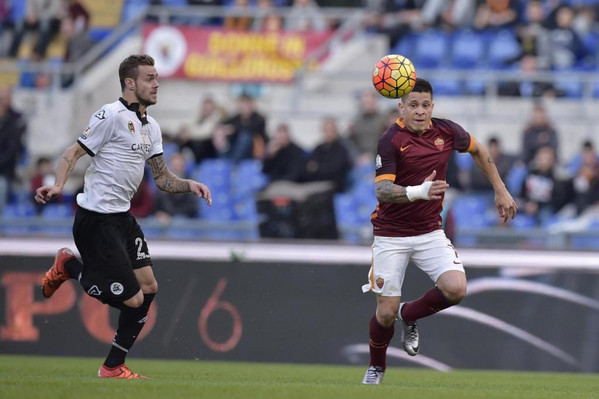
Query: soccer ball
[394,76]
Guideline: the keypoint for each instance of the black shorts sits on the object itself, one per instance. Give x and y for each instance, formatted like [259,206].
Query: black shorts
[111,246]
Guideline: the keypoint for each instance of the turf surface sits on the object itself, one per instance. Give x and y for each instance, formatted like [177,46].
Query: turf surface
[23,377]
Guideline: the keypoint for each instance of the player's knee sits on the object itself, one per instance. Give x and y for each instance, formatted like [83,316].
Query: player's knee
[454,292]
[150,288]
[386,316]
[135,301]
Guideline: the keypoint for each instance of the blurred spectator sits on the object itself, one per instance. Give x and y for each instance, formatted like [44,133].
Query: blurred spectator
[42,175]
[330,160]
[43,17]
[495,14]
[247,136]
[142,203]
[532,35]
[12,129]
[530,86]
[539,187]
[585,21]
[198,136]
[503,162]
[239,16]
[185,205]
[265,20]
[449,14]
[284,159]
[366,128]
[394,19]
[583,187]
[305,16]
[198,20]
[576,162]
[538,133]
[566,47]
[74,28]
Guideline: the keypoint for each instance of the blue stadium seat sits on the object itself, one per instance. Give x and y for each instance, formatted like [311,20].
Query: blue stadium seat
[345,209]
[584,242]
[447,88]
[467,50]
[216,173]
[245,210]
[18,210]
[57,211]
[502,47]
[405,46]
[515,179]
[221,209]
[132,8]
[473,212]
[248,178]
[430,49]
[523,222]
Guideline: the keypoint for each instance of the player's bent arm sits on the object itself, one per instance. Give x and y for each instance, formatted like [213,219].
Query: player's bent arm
[485,162]
[165,179]
[387,191]
[67,163]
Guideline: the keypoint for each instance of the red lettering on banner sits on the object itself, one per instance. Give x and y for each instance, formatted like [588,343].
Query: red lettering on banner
[96,319]
[21,306]
[214,303]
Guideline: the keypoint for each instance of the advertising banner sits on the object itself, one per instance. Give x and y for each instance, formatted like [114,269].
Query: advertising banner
[511,319]
[217,54]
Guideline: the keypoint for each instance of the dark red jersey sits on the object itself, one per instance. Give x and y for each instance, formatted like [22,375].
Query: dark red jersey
[407,159]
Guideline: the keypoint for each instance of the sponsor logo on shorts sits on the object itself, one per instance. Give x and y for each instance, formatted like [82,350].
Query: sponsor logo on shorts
[380,282]
[379,162]
[94,290]
[116,288]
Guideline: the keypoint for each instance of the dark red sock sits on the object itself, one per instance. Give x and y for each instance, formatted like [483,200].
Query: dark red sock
[379,341]
[431,302]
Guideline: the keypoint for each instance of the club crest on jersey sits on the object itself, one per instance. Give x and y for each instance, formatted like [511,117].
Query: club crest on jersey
[439,143]
[131,127]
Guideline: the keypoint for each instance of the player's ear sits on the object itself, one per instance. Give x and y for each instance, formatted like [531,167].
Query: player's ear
[129,83]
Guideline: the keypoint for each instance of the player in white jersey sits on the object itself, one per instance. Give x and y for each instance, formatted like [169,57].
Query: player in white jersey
[116,267]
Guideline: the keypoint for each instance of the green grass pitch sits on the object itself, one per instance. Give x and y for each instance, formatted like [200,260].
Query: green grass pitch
[24,377]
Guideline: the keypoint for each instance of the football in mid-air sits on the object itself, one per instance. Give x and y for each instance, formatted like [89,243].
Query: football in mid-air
[394,76]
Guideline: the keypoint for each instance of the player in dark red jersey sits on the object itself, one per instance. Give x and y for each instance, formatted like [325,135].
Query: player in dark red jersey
[411,166]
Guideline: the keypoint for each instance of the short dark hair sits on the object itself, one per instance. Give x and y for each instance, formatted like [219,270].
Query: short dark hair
[422,86]
[129,67]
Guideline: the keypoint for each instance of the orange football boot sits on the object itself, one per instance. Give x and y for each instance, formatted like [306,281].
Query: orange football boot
[121,371]
[57,274]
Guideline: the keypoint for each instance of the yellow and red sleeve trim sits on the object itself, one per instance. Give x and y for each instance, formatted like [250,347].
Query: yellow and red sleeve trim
[472,144]
[384,177]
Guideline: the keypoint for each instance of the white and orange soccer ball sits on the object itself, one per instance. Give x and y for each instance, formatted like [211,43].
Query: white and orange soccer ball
[394,76]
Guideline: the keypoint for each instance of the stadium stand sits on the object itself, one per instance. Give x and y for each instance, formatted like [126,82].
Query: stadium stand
[462,63]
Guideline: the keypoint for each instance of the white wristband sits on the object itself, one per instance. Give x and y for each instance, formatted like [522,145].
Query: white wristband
[419,192]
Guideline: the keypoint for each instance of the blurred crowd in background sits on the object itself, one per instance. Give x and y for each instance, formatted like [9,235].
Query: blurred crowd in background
[234,138]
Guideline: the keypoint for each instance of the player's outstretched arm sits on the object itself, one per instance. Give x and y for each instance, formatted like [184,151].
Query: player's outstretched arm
[505,204]
[167,181]
[430,189]
[63,171]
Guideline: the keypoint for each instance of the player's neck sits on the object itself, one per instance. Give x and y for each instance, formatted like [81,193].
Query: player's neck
[132,99]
